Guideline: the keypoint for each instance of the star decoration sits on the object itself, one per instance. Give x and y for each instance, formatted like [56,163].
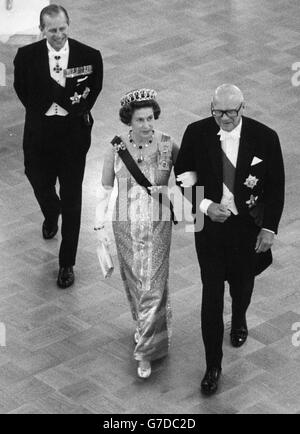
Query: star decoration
[76,98]
[251,181]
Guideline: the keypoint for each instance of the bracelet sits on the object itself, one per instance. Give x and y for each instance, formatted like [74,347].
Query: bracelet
[99,228]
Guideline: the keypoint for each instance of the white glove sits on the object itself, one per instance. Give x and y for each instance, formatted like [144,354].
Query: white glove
[101,218]
[103,235]
[187,179]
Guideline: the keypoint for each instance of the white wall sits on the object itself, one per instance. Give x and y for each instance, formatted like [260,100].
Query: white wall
[22,19]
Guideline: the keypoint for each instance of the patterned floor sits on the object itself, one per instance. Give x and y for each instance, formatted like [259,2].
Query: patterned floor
[71,351]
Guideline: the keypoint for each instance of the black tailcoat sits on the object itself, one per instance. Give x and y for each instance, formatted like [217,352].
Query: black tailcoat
[56,147]
[226,251]
[201,152]
[37,90]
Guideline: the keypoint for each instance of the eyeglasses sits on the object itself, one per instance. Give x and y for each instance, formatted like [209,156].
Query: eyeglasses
[230,113]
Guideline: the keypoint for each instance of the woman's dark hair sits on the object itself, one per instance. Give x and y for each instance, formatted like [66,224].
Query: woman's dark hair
[52,10]
[126,112]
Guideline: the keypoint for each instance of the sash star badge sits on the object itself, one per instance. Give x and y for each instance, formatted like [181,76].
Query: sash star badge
[75,98]
[251,181]
[252,201]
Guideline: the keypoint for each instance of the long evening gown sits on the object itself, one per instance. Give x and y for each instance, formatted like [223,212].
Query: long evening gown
[143,246]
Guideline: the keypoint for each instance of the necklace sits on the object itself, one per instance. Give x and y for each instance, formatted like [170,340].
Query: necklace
[140,147]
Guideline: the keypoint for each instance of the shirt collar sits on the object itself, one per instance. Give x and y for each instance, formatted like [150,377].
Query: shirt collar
[63,51]
[234,134]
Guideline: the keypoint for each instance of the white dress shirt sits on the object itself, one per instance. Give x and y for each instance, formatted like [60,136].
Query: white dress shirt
[62,63]
[230,142]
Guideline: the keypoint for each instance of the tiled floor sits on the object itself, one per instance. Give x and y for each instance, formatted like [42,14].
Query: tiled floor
[70,351]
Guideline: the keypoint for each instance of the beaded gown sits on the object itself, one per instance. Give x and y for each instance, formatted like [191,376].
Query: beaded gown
[142,230]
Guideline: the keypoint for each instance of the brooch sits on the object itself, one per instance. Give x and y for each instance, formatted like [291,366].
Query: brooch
[251,181]
[252,201]
[119,146]
[163,165]
[75,98]
[164,156]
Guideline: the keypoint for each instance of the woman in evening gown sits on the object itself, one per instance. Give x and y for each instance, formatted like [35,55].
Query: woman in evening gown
[142,235]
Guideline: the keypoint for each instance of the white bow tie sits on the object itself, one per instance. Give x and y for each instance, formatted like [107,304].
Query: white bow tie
[229,135]
[62,52]
[59,54]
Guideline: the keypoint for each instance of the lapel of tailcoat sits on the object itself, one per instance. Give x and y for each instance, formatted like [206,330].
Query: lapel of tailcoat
[74,61]
[43,65]
[245,155]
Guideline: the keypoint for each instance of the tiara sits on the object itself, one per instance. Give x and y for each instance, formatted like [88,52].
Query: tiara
[138,95]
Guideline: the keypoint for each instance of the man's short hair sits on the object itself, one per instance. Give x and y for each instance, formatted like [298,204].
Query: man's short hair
[52,10]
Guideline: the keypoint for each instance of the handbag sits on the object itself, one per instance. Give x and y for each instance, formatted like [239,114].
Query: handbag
[135,171]
[105,260]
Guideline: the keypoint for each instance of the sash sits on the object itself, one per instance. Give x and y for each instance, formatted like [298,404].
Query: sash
[135,171]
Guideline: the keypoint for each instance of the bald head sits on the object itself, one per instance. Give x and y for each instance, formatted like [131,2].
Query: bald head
[228,97]
[228,94]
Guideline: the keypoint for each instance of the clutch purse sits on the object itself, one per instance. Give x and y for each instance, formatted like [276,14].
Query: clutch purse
[105,260]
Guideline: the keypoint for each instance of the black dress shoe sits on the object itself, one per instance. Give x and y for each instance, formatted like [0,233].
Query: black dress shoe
[65,277]
[209,384]
[238,336]
[49,231]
